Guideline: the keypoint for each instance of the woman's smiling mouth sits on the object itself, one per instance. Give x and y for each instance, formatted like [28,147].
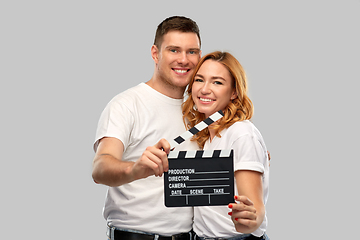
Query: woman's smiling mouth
[206,99]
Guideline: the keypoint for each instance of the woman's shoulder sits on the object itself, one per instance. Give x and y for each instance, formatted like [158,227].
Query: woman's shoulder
[244,126]
[240,129]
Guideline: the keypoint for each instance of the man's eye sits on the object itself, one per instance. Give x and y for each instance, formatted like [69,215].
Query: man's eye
[193,52]
[173,50]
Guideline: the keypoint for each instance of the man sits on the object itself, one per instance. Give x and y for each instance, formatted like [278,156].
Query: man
[126,159]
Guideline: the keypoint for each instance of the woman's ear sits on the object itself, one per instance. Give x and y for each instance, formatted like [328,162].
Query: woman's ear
[234,95]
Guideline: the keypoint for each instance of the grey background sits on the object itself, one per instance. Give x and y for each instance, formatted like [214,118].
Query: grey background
[62,61]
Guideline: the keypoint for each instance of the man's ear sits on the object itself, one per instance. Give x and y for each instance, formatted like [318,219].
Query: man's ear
[155,53]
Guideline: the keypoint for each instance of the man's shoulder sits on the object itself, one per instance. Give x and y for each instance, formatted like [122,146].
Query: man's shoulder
[132,90]
[130,94]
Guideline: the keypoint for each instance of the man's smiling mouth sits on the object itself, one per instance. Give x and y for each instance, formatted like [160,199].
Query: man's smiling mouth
[181,70]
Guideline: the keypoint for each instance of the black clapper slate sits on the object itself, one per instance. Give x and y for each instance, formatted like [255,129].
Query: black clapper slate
[199,178]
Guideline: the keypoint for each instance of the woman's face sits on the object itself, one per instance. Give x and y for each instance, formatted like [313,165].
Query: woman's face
[212,88]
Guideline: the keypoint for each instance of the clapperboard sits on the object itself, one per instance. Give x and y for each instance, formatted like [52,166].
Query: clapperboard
[199,178]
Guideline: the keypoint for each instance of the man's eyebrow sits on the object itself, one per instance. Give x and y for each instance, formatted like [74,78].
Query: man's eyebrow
[195,49]
[171,46]
[177,47]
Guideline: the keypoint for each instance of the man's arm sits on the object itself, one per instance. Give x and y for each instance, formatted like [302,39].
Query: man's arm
[109,168]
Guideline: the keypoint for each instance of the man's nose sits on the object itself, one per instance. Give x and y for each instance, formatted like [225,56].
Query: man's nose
[183,58]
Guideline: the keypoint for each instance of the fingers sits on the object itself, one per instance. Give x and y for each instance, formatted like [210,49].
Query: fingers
[243,212]
[244,200]
[157,160]
[243,207]
[245,224]
[154,158]
[164,145]
[153,161]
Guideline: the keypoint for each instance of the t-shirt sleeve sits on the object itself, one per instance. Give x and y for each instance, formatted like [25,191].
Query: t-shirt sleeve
[115,121]
[249,154]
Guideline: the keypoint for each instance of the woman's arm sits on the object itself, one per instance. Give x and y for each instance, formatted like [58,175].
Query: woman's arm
[249,213]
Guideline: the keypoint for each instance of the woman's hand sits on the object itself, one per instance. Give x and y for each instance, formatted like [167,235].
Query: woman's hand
[243,214]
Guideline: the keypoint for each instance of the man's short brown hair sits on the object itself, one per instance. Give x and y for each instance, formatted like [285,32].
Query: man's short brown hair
[175,23]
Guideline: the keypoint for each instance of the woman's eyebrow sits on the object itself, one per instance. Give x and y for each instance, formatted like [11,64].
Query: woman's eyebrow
[218,77]
[199,75]
[213,77]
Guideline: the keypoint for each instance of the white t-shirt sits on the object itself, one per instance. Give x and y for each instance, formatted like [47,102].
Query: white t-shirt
[250,153]
[140,117]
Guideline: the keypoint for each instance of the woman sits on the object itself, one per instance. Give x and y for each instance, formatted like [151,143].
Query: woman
[219,83]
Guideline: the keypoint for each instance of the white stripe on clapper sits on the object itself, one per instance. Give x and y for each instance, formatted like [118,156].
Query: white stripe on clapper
[197,128]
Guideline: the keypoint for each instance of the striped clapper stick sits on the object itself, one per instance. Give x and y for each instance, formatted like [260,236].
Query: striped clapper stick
[197,128]
[199,178]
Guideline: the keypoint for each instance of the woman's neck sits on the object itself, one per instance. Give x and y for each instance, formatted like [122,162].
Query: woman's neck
[212,134]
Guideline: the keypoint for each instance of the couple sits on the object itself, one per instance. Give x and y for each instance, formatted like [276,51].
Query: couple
[127,161]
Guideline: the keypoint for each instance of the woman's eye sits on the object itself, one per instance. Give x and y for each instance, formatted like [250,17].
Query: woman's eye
[198,80]
[218,83]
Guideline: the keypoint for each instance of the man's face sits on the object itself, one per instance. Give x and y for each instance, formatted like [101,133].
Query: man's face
[177,58]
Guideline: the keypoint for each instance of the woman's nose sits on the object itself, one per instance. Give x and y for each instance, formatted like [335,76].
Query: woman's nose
[205,89]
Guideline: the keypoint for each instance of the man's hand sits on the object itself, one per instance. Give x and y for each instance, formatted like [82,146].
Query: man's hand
[109,168]
[153,161]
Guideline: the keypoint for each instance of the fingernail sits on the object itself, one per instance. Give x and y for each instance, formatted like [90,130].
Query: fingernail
[236,197]
[230,206]
[230,213]
[236,219]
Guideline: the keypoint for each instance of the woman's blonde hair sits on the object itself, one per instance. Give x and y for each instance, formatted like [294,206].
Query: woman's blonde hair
[239,109]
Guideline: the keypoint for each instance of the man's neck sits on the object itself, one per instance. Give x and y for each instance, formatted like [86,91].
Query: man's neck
[166,89]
